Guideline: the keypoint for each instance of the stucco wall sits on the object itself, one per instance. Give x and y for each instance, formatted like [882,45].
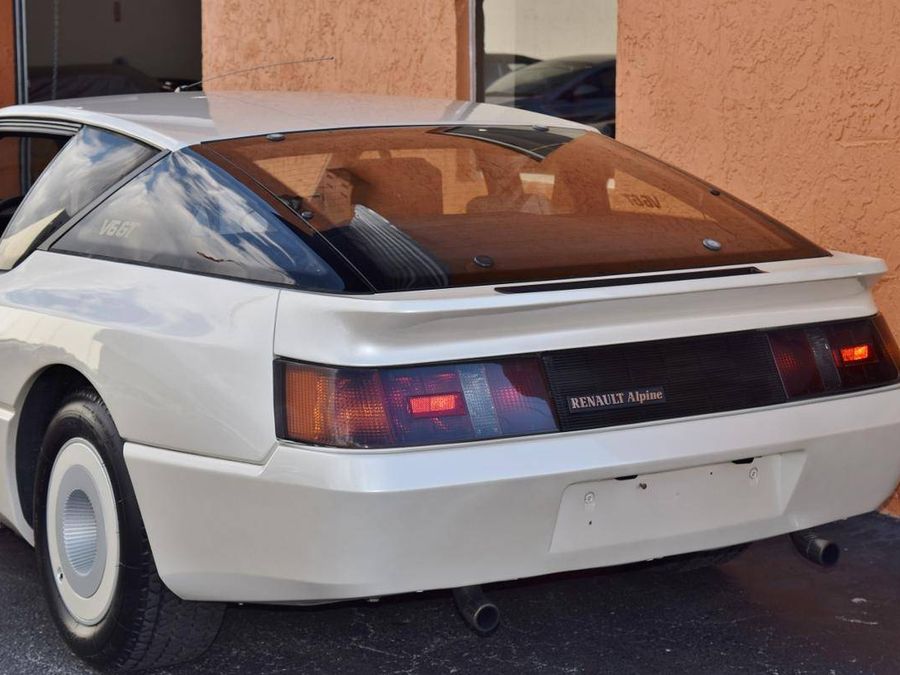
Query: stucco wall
[7,54]
[893,505]
[792,105]
[408,47]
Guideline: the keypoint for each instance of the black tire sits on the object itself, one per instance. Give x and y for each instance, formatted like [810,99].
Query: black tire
[689,562]
[146,626]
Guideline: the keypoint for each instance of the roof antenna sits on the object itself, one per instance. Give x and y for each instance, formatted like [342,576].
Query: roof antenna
[315,59]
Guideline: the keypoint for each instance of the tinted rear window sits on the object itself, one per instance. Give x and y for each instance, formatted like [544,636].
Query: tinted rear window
[416,208]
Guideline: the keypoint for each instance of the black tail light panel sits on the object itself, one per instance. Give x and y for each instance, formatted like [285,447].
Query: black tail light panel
[602,386]
[665,379]
[588,388]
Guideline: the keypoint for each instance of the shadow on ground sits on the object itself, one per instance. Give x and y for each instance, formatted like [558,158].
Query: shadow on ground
[767,612]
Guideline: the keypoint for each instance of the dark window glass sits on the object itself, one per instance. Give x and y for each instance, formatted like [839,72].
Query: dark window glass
[537,78]
[187,214]
[601,83]
[92,161]
[430,207]
[22,159]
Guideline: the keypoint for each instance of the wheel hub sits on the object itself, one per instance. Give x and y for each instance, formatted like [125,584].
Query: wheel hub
[79,532]
[82,531]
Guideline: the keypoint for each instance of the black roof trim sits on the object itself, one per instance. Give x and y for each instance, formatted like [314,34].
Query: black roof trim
[29,125]
[628,280]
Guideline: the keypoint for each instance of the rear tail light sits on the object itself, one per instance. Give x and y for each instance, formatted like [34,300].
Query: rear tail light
[856,354]
[796,363]
[437,405]
[423,405]
[829,358]
[455,402]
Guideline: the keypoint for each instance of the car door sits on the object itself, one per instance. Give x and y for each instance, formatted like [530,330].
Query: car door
[49,173]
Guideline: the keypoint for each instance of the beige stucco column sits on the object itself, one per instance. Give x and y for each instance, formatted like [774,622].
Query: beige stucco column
[792,105]
[404,47]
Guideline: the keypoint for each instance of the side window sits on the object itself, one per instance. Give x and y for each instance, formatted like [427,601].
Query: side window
[22,159]
[88,164]
[600,84]
[187,214]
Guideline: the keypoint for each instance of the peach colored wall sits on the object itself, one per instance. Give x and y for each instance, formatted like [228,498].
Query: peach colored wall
[9,174]
[792,105]
[408,47]
[893,505]
[7,54]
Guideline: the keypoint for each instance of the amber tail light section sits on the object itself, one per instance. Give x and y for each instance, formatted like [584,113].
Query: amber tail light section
[326,406]
[422,405]
[834,357]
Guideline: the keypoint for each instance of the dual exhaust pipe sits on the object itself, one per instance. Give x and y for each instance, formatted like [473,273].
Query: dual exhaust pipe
[483,616]
[816,549]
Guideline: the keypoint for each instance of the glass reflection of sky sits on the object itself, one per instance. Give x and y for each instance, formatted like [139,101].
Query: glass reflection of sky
[88,164]
[188,214]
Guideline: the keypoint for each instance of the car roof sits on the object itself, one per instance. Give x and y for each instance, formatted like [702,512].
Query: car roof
[174,120]
[586,59]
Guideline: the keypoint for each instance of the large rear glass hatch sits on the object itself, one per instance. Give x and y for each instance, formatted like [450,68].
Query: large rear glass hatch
[436,207]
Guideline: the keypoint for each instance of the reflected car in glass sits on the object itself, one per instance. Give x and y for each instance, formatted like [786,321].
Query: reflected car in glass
[577,88]
[496,65]
[304,348]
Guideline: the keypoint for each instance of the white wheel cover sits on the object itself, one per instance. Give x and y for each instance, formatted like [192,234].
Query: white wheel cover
[83,531]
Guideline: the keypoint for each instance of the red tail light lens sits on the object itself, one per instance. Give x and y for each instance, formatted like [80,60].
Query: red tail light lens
[869,346]
[796,362]
[397,407]
[856,354]
[829,358]
[437,405]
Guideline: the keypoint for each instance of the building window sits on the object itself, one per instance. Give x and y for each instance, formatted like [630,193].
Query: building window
[555,58]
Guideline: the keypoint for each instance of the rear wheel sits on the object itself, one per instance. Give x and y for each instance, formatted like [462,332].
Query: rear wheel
[94,558]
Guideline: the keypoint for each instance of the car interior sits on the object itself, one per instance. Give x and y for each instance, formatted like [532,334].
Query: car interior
[537,203]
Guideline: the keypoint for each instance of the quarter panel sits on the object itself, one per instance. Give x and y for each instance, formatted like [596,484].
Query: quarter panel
[183,361]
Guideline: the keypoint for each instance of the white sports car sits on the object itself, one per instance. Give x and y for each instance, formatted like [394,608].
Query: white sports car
[299,348]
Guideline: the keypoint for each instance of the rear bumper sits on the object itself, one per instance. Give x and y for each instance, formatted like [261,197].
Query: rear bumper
[317,526]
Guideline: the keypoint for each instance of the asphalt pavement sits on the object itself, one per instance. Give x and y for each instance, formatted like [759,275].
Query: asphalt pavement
[769,611]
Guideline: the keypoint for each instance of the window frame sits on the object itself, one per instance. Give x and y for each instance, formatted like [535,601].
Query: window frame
[303,230]
[50,239]
[40,126]
[27,126]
